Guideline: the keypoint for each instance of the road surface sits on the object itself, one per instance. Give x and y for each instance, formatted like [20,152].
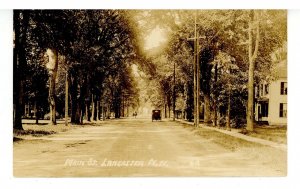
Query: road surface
[136,148]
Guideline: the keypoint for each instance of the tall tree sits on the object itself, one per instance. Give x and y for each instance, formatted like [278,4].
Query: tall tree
[21,23]
[253,30]
[48,30]
[52,66]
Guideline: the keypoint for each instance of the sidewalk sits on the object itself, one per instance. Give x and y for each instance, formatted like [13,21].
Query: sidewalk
[235,133]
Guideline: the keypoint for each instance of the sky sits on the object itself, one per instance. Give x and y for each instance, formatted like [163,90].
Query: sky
[155,38]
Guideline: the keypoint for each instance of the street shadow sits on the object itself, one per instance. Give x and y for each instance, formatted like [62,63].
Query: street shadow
[39,124]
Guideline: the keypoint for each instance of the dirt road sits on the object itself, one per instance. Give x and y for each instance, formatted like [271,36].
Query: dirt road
[137,147]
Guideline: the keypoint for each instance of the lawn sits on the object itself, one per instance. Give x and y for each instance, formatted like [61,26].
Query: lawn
[269,155]
[37,130]
[272,133]
[276,134]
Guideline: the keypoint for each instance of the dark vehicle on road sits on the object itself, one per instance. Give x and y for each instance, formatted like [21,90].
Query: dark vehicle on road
[156,115]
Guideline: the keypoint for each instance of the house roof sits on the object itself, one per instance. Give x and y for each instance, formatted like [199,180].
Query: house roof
[280,70]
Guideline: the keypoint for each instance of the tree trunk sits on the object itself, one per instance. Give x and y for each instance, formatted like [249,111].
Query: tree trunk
[17,122]
[19,65]
[17,104]
[86,112]
[66,99]
[82,106]
[215,96]
[189,102]
[36,113]
[169,111]
[215,113]
[206,108]
[252,56]
[174,95]
[103,112]
[127,106]
[53,66]
[86,90]
[98,111]
[228,111]
[218,118]
[165,106]
[75,106]
[119,110]
[81,115]
[123,106]
[186,100]
[250,114]
[93,109]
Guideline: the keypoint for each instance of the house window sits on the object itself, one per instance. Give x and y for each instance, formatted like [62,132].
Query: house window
[261,90]
[283,88]
[266,89]
[283,110]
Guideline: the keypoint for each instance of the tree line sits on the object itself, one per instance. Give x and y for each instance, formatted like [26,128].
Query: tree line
[74,61]
[82,59]
[236,52]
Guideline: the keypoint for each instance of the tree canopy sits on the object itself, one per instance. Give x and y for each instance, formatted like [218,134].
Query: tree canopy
[93,51]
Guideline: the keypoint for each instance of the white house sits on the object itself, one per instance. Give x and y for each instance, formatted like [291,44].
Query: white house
[271,98]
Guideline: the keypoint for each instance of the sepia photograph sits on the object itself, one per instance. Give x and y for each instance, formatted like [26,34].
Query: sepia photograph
[150,93]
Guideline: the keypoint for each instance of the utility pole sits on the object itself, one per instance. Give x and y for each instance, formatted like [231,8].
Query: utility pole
[196,73]
[196,109]
[198,79]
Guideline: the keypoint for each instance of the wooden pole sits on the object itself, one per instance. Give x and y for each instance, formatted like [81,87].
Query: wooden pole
[195,75]
[198,80]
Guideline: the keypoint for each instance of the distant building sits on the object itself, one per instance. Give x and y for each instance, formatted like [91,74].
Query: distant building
[271,98]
